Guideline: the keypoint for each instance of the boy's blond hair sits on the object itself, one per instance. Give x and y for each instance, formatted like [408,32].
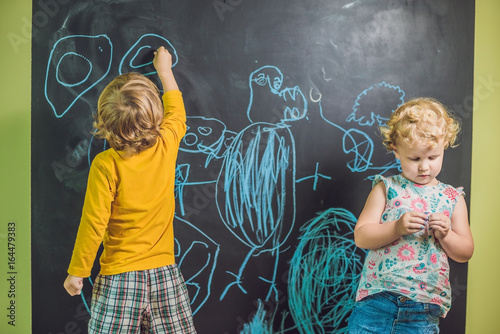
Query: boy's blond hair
[420,120]
[129,113]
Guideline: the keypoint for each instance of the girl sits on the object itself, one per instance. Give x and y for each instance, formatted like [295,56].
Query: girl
[411,223]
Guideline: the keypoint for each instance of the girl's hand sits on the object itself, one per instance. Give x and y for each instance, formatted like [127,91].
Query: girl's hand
[411,222]
[440,224]
[73,285]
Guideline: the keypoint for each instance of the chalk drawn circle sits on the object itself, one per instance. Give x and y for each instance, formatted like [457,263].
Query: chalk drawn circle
[64,82]
[190,139]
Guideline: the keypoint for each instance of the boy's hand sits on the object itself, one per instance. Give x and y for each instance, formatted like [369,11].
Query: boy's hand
[162,61]
[163,65]
[73,285]
[440,224]
[411,222]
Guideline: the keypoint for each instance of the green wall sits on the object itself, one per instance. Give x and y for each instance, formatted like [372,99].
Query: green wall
[15,51]
[484,271]
[482,309]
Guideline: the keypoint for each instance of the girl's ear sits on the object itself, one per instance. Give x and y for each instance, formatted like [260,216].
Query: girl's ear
[395,151]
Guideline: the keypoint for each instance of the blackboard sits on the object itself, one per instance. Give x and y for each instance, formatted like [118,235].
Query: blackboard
[284,98]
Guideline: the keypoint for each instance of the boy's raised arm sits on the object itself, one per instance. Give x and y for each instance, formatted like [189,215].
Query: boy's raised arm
[163,65]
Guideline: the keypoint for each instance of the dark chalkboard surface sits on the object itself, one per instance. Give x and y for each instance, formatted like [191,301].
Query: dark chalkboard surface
[284,98]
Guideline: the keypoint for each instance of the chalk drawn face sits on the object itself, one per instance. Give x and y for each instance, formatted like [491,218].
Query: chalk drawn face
[203,135]
[271,102]
[270,77]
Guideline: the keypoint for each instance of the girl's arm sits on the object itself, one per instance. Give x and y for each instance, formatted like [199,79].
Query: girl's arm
[454,234]
[370,233]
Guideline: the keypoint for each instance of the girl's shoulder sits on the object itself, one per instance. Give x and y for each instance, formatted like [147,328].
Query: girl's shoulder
[388,180]
[451,191]
[400,180]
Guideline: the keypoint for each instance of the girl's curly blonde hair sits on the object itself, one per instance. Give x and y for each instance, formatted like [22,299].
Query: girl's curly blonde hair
[421,120]
[129,113]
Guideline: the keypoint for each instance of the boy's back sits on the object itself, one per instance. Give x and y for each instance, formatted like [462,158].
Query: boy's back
[129,207]
[134,198]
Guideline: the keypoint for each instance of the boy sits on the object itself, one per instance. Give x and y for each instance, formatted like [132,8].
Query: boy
[129,207]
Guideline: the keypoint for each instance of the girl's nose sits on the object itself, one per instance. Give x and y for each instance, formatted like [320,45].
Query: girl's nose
[423,167]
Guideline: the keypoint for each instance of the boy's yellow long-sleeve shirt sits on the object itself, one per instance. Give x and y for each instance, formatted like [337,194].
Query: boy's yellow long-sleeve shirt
[129,204]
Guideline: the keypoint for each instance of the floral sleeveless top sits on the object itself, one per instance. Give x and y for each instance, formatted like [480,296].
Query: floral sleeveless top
[415,265]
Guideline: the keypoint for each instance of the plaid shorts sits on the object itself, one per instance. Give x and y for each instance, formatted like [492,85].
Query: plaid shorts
[148,301]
